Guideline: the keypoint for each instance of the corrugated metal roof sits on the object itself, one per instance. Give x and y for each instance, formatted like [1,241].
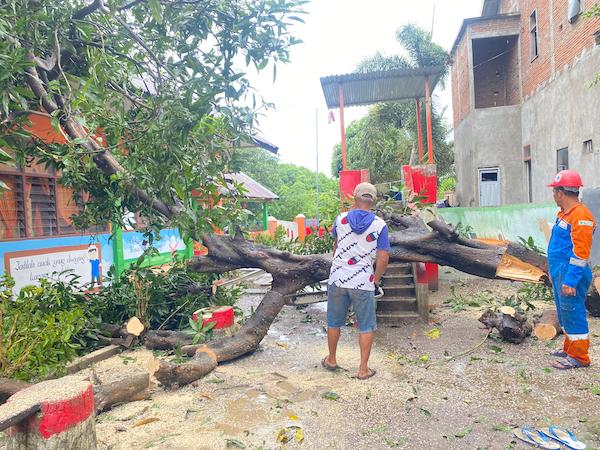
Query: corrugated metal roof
[259,141]
[254,190]
[382,86]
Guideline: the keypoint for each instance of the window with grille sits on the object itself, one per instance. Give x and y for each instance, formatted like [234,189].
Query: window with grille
[533,36]
[36,205]
[562,159]
[588,147]
[12,209]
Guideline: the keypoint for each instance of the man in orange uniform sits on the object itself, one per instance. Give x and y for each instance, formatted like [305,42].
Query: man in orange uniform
[568,254]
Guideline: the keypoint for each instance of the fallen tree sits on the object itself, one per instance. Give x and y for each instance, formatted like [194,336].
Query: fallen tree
[411,240]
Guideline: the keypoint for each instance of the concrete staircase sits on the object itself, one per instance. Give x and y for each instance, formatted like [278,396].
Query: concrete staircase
[404,298]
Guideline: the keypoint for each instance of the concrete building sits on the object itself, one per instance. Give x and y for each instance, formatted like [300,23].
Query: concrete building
[524,106]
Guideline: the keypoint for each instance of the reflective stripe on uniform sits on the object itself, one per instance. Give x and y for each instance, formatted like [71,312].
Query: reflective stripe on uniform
[578,262]
[578,337]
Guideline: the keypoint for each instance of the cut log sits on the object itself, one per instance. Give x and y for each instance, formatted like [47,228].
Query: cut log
[134,326]
[64,419]
[136,387]
[117,335]
[508,310]
[92,358]
[9,387]
[592,302]
[547,326]
[166,340]
[511,328]
[175,375]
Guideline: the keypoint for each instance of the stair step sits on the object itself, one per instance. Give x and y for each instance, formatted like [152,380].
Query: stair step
[399,291]
[394,276]
[395,318]
[397,304]
[397,281]
[396,269]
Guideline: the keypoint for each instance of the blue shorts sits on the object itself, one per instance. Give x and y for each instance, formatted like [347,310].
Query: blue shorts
[363,304]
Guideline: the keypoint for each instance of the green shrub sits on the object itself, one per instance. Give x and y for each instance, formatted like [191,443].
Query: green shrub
[160,298]
[38,329]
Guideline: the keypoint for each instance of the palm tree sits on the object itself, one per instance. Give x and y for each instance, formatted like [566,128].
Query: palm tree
[389,132]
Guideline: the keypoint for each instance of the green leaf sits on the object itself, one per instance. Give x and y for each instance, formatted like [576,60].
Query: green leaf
[329,395]
[463,433]
[156,10]
[234,443]
[425,412]
[496,349]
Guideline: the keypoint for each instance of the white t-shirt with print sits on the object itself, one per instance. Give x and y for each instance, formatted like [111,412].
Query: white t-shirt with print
[352,265]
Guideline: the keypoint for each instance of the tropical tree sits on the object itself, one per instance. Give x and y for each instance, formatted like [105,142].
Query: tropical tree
[387,137]
[151,96]
[296,186]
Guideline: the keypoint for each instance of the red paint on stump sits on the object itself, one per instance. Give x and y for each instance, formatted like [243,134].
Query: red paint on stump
[223,317]
[59,416]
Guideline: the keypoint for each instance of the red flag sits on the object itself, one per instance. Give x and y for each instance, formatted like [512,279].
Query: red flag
[330,117]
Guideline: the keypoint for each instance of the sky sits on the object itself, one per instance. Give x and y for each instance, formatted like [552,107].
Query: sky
[337,35]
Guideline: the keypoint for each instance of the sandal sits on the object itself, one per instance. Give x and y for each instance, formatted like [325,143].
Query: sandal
[536,438]
[559,354]
[563,436]
[371,373]
[567,364]
[329,366]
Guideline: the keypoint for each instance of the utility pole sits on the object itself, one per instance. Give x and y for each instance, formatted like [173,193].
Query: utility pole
[317,149]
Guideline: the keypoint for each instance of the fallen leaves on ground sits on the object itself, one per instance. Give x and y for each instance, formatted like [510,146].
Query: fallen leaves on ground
[145,421]
[235,443]
[329,395]
[285,435]
[434,333]
[463,433]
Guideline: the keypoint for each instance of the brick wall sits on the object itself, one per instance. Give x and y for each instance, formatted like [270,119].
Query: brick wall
[509,6]
[496,80]
[490,84]
[571,39]
[494,27]
[559,41]
[461,90]
[513,80]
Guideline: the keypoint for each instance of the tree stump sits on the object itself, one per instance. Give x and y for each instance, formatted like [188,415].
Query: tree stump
[52,415]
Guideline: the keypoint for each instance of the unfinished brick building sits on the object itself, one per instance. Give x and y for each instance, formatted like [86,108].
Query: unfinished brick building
[523,103]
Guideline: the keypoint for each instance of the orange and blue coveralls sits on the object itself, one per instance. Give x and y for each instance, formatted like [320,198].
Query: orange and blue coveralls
[568,254]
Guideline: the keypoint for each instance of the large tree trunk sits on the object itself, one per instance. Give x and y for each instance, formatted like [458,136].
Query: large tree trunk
[411,241]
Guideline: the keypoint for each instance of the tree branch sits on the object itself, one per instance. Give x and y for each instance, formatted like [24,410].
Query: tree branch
[87,10]
[103,159]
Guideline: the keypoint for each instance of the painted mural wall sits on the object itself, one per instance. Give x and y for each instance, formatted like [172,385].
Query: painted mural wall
[88,256]
[27,261]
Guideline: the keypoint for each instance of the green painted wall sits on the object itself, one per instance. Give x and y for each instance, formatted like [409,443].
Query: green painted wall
[504,222]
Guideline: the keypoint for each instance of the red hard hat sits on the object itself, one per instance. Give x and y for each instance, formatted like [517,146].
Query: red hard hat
[567,178]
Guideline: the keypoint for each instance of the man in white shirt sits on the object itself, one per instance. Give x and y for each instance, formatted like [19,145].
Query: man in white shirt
[361,240]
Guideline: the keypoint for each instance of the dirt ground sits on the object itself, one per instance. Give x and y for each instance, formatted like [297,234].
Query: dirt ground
[417,400]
